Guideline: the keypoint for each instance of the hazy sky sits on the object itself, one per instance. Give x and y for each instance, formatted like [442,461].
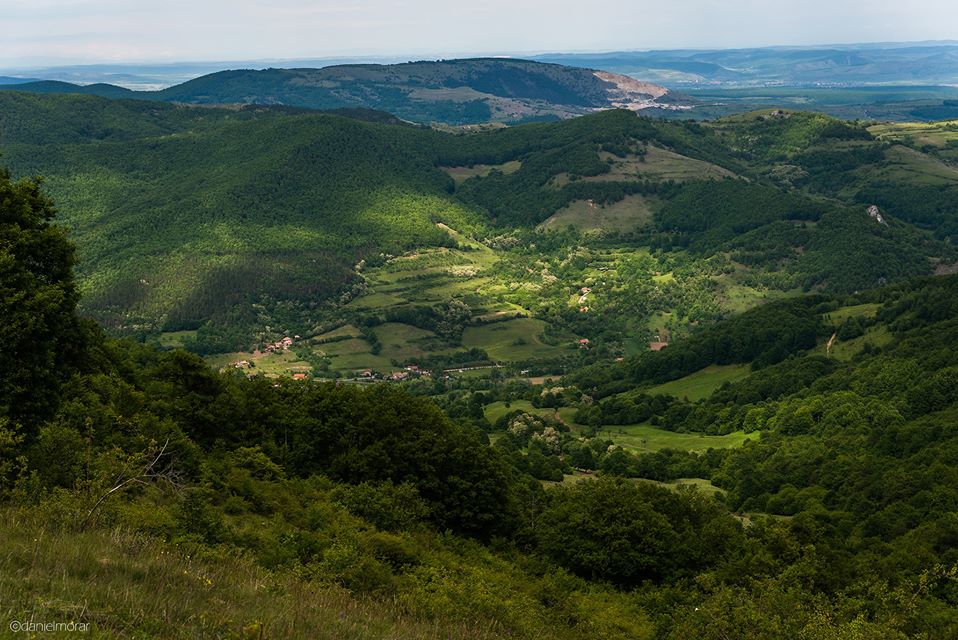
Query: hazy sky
[62,31]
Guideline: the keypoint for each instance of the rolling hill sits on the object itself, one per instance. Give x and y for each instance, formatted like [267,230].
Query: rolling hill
[446,91]
[251,223]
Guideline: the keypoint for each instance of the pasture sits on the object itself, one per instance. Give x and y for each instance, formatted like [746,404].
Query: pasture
[938,134]
[175,339]
[845,350]
[402,342]
[701,384]
[515,340]
[461,174]
[644,438]
[631,213]
[272,365]
[498,409]
[838,316]
[699,484]
[354,354]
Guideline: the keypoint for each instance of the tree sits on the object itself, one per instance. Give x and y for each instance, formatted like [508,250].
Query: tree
[40,334]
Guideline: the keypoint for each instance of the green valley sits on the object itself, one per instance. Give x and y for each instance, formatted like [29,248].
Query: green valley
[226,230]
[729,415]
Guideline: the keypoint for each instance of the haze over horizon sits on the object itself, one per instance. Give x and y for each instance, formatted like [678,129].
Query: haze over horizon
[59,32]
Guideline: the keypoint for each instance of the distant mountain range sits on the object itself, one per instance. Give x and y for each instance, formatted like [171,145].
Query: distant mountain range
[12,80]
[842,65]
[453,92]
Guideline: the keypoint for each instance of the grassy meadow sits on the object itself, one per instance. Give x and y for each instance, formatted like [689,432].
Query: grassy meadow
[644,438]
[702,383]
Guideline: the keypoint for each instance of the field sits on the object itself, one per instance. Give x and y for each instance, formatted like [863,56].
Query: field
[883,103]
[938,134]
[631,213]
[512,341]
[496,410]
[175,339]
[655,162]
[910,166]
[461,174]
[354,354]
[838,316]
[665,165]
[644,438]
[702,383]
[281,364]
[402,341]
[877,336]
[345,331]
[700,484]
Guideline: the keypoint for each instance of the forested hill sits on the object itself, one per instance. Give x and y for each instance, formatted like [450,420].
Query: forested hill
[145,494]
[185,214]
[447,91]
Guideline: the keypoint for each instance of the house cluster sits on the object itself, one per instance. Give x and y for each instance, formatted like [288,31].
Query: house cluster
[584,295]
[280,345]
[410,371]
[242,364]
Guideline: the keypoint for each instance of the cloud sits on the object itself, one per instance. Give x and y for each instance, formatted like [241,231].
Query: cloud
[138,30]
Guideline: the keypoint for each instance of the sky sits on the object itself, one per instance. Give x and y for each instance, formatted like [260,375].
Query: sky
[37,32]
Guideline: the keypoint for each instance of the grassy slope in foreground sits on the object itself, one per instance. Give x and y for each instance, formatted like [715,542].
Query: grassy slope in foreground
[129,585]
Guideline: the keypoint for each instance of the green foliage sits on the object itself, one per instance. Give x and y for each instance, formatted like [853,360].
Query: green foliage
[155,479]
[627,533]
[40,336]
[763,336]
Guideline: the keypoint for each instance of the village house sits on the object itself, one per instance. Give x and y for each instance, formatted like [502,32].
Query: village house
[584,343]
[280,345]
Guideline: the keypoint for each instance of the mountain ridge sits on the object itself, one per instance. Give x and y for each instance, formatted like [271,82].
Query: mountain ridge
[467,91]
